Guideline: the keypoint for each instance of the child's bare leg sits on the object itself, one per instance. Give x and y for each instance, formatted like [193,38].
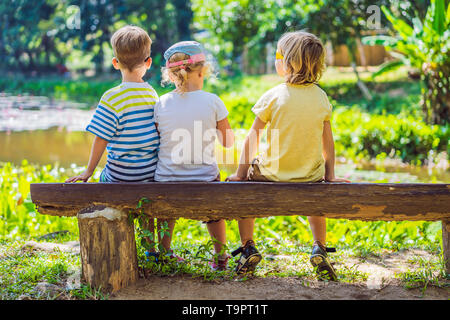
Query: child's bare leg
[319,258]
[166,240]
[318,228]
[217,231]
[149,224]
[246,227]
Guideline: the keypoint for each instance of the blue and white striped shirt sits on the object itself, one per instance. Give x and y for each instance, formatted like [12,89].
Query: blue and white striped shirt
[124,118]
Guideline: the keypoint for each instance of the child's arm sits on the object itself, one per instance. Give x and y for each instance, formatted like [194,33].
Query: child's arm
[225,134]
[98,147]
[249,150]
[329,154]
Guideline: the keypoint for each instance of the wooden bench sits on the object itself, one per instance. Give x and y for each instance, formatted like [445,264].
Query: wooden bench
[107,240]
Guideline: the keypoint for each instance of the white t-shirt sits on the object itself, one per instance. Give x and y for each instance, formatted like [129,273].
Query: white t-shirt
[187,126]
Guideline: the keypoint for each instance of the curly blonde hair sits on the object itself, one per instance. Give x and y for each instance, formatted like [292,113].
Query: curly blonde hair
[179,74]
[304,57]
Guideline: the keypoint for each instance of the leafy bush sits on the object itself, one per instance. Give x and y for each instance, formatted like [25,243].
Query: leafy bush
[362,135]
[18,218]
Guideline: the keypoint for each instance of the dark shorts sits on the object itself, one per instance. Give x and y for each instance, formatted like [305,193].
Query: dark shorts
[104,179]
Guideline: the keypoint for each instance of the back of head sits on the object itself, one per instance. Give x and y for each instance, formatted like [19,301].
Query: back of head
[181,59]
[304,57]
[131,46]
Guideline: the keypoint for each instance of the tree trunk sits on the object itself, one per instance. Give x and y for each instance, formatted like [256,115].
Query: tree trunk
[436,95]
[107,248]
[352,47]
[446,244]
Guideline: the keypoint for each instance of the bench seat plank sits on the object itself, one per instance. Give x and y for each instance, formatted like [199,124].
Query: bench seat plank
[233,200]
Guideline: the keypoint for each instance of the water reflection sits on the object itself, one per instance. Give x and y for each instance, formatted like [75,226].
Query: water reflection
[47,146]
[19,113]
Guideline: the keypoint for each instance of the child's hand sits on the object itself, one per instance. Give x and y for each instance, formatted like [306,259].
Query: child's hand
[235,177]
[334,179]
[82,177]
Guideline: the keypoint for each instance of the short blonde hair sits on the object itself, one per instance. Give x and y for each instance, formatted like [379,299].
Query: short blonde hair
[180,73]
[131,46]
[304,57]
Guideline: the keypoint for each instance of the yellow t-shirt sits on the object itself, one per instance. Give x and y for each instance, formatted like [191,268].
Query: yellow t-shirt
[294,115]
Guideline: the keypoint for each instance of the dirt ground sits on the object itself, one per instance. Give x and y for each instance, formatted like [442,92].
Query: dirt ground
[186,288]
[380,285]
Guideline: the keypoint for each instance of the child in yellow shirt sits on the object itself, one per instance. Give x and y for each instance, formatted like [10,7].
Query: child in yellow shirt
[299,137]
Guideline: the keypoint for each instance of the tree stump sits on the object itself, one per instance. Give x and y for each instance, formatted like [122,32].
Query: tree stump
[446,244]
[107,248]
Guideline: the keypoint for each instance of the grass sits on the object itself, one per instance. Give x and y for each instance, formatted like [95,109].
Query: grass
[428,273]
[23,270]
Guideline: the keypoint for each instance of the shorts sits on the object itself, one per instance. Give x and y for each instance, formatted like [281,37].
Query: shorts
[254,174]
[104,179]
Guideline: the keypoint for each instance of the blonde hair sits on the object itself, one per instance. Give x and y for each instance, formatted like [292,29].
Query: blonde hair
[131,46]
[179,74]
[304,57]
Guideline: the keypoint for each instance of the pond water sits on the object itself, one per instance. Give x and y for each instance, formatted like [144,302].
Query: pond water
[47,132]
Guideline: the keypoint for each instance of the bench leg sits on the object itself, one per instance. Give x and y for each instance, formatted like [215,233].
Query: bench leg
[107,248]
[446,244]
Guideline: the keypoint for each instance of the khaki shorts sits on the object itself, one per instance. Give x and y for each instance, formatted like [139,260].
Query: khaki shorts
[254,174]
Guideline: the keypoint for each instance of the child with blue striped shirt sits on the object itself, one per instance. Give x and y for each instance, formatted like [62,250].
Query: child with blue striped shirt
[123,122]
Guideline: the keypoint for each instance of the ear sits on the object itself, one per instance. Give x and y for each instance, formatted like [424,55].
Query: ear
[280,68]
[201,72]
[115,63]
[148,63]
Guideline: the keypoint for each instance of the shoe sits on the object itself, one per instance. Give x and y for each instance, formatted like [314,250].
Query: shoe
[152,256]
[217,264]
[250,257]
[319,260]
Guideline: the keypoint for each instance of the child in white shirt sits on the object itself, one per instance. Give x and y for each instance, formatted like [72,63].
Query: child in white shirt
[189,120]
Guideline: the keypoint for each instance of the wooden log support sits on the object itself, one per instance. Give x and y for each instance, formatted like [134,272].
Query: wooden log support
[446,244]
[107,248]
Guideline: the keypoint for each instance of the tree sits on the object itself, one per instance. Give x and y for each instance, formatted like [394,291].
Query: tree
[37,34]
[24,41]
[423,46]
